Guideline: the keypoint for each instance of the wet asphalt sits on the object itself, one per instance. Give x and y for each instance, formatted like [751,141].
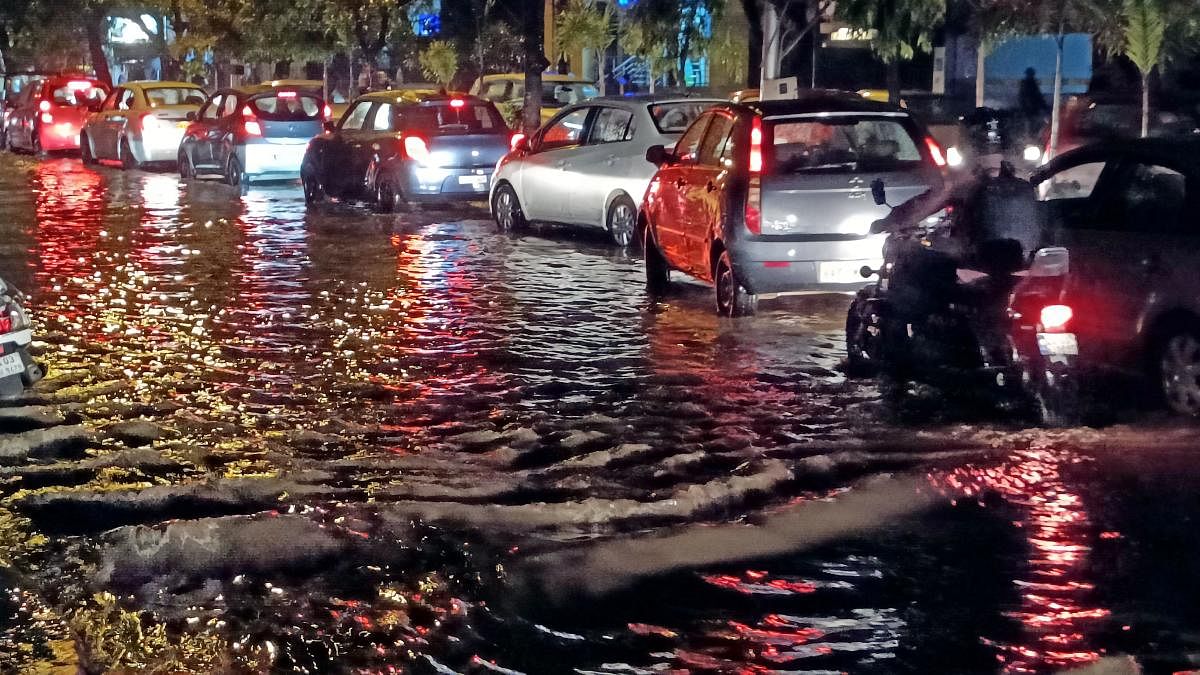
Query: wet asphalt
[325,440]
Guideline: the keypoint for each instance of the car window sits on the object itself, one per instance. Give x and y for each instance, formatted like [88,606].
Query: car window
[160,96]
[611,125]
[447,118]
[1150,197]
[286,106]
[566,130]
[210,111]
[382,121]
[840,144]
[689,145]
[562,94]
[714,140]
[674,118]
[354,120]
[229,105]
[496,90]
[1075,182]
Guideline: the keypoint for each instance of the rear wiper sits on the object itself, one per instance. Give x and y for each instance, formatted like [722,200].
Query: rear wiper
[824,167]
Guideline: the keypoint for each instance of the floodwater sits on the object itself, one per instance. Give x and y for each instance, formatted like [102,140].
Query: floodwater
[331,441]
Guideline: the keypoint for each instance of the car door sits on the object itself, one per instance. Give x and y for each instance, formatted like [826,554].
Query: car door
[221,134]
[347,149]
[545,185]
[97,126]
[702,192]
[670,220]
[116,122]
[26,115]
[196,136]
[600,164]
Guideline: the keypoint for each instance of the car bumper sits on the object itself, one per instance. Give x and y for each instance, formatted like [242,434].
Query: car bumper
[796,266]
[59,137]
[423,182]
[271,161]
[159,146]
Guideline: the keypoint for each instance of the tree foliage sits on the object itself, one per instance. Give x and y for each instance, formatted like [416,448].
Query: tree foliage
[582,27]
[439,62]
[681,27]
[651,48]
[899,28]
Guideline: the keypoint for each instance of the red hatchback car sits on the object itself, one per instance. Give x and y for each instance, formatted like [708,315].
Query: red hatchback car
[50,112]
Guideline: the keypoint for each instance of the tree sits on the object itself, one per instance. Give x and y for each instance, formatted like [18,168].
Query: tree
[583,27]
[439,62]
[787,23]
[649,46]
[1144,27]
[681,27]
[898,30]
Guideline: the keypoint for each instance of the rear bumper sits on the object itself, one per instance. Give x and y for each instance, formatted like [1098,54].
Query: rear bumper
[421,182]
[771,267]
[59,136]
[158,146]
[271,161]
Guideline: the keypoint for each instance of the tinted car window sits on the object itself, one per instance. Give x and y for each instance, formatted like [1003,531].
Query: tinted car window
[228,106]
[566,130]
[611,125]
[357,116]
[447,119]
[714,140]
[283,107]
[562,94]
[1151,197]
[159,96]
[841,144]
[125,100]
[1076,182]
[76,92]
[673,118]
[496,90]
[689,146]
[210,111]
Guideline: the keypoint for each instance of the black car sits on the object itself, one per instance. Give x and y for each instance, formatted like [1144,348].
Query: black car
[396,147]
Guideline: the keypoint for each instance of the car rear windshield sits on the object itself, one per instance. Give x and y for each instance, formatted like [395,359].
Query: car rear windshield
[675,118]
[160,96]
[448,119]
[561,94]
[840,144]
[76,92]
[287,107]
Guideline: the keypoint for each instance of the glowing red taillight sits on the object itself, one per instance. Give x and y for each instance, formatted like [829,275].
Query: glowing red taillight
[753,214]
[1056,317]
[756,141]
[328,111]
[250,125]
[516,139]
[286,94]
[416,149]
[6,323]
[457,103]
[44,106]
[935,151]
[47,118]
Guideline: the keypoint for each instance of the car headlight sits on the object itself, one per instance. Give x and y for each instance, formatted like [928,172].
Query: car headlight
[1032,153]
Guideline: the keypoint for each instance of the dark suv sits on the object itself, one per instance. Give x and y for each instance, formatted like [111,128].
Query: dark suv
[773,197]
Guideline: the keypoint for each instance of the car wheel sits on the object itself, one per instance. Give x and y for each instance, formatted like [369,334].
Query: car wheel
[85,151]
[1178,361]
[622,221]
[658,272]
[186,170]
[128,161]
[732,297]
[233,172]
[507,209]
[388,197]
[861,359]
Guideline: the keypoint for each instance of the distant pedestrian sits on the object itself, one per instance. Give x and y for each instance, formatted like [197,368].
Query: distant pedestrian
[1031,102]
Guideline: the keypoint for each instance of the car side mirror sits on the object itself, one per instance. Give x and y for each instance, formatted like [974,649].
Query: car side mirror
[191,116]
[329,126]
[879,192]
[658,155]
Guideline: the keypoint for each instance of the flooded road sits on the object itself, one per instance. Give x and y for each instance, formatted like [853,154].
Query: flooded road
[330,441]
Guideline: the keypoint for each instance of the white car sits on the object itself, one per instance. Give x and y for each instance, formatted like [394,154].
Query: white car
[140,122]
[587,165]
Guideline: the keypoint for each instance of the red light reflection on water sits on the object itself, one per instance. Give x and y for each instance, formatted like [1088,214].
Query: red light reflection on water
[1057,610]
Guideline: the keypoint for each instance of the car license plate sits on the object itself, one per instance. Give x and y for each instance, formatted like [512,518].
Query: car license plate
[11,364]
[477,182]
[1057,344]
[844,271]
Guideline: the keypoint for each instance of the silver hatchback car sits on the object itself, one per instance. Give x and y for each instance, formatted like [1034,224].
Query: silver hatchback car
[774,197]
[587,165]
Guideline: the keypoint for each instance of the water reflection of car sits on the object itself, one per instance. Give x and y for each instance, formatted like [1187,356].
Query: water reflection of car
[558,91]
[257,132]
[394,147]
[50,111]
[140,122]
[587,166]
[774,197]
[1122,295]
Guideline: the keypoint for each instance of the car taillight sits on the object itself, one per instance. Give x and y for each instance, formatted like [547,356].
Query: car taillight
[250,125]
[515,140]
[1054,318]
[150,121]
[47,118]
[328,111]
[44,106]
[286,94]
[756,154]
[753,214]
[457,103]
[6,324]
[416,149]
[935,151]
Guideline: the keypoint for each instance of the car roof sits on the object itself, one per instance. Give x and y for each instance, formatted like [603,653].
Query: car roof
[416,96]
[1180,151]
[546,77]
[821,100]
[655,98]
[254,89]
[153,84]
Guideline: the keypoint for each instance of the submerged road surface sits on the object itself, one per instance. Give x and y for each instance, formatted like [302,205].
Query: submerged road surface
[330,441]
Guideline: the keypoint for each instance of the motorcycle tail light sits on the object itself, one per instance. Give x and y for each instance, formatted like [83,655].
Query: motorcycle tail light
[1054,318]
[416,149]
[756,146]
[6,324]
[754,207]
[935,151]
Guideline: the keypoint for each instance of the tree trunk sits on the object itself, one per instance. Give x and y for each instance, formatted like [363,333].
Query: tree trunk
[1145,104]
[535,62]
[755,47]
[96,25]
[770,45]
[1056,104]
[980,74]
[893,79]
[601,82]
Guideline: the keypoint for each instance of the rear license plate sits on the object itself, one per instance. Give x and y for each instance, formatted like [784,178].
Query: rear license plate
[1057,344]
[843,271]
[477,182]
[11,365]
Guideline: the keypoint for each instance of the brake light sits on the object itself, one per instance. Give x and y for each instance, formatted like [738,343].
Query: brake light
[328,111]
[416,149]
[286,94]
[756,155]
[44,106]
[251,125]
[79,85]
[935,151]
[457,103]
[1056,317]
[516,139]
[753,215]
[47,118]
[150,121]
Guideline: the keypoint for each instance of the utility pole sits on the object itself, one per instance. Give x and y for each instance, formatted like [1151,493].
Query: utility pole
[772,36]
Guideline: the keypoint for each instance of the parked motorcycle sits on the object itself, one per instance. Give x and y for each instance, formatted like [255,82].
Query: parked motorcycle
[939,312]
[18,370]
